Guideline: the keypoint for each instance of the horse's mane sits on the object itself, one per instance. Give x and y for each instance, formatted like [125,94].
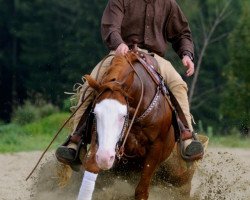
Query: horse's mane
[119,68]
[118,76]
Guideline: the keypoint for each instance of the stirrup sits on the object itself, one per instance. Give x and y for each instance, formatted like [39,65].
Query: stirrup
[76,163]
[196,145]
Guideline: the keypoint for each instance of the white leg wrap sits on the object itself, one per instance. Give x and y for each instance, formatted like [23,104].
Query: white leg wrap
[88,186]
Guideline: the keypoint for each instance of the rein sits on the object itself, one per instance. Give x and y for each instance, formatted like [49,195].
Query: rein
[126,126]
[120,151]
[55,136]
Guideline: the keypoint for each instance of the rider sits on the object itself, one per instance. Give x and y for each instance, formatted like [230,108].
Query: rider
[151,23]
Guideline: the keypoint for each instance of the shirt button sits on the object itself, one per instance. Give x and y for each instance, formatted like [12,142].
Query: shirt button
[147,26]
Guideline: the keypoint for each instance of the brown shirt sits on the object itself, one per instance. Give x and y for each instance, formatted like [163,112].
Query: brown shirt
[150,23]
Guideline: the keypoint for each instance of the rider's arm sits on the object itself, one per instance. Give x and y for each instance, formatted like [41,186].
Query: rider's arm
[178,32]
[111,24]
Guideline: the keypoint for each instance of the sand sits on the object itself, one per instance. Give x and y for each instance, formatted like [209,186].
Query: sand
[223,174]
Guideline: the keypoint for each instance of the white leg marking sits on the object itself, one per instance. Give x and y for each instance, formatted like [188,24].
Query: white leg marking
[88,186]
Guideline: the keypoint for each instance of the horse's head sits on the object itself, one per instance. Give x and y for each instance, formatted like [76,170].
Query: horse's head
[110,111]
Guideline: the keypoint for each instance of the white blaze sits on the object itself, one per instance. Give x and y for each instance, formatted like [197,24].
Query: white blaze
[110,118]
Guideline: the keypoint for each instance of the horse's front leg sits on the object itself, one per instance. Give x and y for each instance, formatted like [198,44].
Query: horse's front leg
[152,160]
[90,175]
[89,162]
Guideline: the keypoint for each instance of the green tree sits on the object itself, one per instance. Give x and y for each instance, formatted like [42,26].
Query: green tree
[11,84]
[60,42]
[211,22]
[236,106]
[45,47]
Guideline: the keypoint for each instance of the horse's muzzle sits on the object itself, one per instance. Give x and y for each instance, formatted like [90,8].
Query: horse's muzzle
[105,159]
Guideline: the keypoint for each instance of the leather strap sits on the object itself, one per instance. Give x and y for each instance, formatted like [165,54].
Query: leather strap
[180,112]
[182,123]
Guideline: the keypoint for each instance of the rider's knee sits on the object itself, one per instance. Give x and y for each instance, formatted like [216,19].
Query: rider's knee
[178,85]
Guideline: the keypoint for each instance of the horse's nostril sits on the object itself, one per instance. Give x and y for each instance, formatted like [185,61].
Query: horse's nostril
[112,158]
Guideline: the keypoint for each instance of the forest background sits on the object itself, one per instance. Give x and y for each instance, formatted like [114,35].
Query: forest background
[46,46]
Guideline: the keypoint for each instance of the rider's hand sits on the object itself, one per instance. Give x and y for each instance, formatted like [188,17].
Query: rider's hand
[188,63]
[122,49]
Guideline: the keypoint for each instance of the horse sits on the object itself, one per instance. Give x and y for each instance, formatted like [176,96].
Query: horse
[128,95]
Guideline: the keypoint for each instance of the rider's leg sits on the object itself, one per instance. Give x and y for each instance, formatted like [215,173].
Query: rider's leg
[67,153]
[179,89]
[97,71]
[176,85]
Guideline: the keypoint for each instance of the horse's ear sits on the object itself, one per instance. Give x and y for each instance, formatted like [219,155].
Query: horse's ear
[92,82]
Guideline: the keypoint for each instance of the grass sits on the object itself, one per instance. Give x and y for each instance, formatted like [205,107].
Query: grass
[37,135]
[232,141]
[33,136]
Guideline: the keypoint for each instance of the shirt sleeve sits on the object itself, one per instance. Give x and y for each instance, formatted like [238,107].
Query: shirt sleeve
[178,31]
[111,24]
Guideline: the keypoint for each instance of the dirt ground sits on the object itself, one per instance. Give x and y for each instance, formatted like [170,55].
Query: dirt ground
[223,174]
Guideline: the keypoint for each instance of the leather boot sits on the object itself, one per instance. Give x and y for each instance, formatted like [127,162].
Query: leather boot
[68,152]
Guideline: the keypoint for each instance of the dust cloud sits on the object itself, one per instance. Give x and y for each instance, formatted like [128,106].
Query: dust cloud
[223,174]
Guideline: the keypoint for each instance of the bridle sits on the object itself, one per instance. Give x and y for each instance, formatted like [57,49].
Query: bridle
[125,129]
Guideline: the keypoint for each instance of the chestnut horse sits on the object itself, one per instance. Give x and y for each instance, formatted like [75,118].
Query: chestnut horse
[151,139]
